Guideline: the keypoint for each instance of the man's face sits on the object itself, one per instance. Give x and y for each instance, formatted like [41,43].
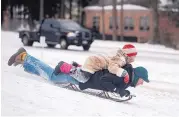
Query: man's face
[140,82]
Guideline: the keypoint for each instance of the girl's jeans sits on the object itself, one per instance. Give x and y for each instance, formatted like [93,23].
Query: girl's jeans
[37,67]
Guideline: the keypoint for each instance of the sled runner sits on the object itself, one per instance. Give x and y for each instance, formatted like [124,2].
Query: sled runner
[102,94]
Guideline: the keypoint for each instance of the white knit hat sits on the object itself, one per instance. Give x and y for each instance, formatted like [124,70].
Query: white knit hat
[130,50]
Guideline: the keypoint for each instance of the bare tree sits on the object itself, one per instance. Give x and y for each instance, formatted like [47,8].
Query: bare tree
[155,35]
[114,14]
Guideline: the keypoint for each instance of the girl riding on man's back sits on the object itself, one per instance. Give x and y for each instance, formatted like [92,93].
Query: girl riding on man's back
[98,62]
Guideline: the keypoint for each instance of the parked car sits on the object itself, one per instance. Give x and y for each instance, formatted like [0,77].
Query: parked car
[63,32]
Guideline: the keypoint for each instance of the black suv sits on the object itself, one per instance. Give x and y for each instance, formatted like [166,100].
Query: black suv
[63,32]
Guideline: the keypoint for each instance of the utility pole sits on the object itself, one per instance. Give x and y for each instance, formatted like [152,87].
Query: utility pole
[121,21]
[41,9]
[103,21]
[114,11]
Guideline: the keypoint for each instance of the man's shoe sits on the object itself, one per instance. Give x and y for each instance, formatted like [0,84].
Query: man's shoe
[18,57]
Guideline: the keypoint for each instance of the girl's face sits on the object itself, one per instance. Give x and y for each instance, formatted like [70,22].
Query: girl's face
[131,59]
[140,82]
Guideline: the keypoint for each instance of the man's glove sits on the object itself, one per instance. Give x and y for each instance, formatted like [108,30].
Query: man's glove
[123,93]
[75,64]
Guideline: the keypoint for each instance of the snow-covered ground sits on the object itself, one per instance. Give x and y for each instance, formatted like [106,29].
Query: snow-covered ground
[26,94]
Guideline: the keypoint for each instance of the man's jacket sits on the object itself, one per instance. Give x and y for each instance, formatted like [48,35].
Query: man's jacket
[103,80]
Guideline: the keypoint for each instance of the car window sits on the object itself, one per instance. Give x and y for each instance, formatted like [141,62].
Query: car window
[46,24]
[69,24]
[56,24]
[48,21]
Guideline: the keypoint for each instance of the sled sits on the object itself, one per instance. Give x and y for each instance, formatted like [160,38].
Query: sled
[102,94]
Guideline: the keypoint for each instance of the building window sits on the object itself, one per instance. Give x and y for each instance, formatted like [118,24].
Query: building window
[111,23]
[177,23]
[96,22]
[144,23]
[128,23]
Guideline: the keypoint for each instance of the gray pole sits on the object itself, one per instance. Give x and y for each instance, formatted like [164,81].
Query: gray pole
[41,9]
[103,21]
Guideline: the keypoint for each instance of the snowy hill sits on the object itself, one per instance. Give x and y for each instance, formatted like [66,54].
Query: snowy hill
[26,94]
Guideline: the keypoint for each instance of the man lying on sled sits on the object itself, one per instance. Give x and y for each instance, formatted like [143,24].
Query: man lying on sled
[101,80]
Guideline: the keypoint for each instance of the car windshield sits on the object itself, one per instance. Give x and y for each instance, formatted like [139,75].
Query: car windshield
[69,24]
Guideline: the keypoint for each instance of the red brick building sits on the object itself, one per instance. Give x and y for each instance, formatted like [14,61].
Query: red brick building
[137,21]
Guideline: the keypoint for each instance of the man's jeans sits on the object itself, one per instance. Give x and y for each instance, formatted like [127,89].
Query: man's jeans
[37,67]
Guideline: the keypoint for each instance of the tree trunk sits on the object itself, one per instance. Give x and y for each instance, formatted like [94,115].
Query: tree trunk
[121,22]
[155,37]
[62,9]
[79,11]
[114,20]
[71,8]
[103,21]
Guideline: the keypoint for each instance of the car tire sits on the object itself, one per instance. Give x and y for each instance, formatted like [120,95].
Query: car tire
[63,43]
[26,41]
[86,47]
[51,45]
